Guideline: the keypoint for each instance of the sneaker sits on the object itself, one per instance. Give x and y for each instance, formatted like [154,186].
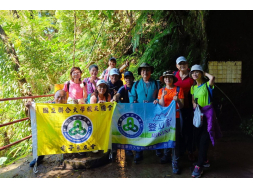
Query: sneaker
[39,161]
[95,151]
[197,172]
[175,168]
[165,159]
[129,153]
[158,153]
[206,163]
[138,157]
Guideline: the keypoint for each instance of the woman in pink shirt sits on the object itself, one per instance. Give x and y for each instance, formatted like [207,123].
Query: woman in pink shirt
[73,87]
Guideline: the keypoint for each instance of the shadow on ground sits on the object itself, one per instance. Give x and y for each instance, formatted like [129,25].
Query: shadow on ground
[230,158]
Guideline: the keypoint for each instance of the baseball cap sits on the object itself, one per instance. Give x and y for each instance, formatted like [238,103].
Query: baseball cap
[101,81]
[114,71]
[181,59]
[128,73]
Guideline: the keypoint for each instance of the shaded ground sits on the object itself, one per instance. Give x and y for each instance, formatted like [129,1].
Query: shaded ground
[230,158]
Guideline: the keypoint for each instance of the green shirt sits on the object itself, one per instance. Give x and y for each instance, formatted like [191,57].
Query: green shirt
[201,93]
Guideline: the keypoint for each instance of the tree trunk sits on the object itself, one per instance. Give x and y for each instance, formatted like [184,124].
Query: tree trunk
[12,53]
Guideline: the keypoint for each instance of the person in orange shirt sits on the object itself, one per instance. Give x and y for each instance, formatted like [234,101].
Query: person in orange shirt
[165,96]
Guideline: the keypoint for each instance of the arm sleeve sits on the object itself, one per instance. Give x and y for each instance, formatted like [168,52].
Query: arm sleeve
[121,90]
[181,94]
[133,94]
[65,88]
[160,93]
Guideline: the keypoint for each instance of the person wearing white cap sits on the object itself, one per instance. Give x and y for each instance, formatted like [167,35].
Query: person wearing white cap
[101,93]
[115,83]
[202,95]
[185,82]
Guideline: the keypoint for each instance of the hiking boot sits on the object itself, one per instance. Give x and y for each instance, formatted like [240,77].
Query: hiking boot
[158,153]
[39,161]
[175,168]
[138,157]
[165,159]
[197,172]
[129,153]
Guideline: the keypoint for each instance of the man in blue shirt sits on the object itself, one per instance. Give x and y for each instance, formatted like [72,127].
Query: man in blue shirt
[122,94]
[144,91]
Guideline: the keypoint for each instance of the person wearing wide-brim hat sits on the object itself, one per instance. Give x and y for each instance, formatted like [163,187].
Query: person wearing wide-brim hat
[144,91]
[185,82]
[165,96]
[145,65]
[210,130]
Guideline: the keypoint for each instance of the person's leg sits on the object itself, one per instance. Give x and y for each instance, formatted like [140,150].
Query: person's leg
[203,144]
[138,156]
[176,150]
[38,160]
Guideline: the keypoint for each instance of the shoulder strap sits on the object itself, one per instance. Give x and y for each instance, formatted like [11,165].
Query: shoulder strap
[136,84]
[68,83]
[125,87]
[178,89]
[209,94]
[174,73]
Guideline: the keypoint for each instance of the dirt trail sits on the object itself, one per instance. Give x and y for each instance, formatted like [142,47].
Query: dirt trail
[230,158]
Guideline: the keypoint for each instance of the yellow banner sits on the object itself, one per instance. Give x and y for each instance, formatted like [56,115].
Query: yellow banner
[73,128]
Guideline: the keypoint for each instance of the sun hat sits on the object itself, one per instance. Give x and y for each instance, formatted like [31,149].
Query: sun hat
[128,73]
[145,65]
[101,81]
[114,71]
[168,73]
[196,67]
[181,59]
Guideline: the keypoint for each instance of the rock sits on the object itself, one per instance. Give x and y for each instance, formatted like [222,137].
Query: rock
[90,160]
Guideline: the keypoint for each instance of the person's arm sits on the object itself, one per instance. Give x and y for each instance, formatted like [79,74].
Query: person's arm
[161,101]
[193,102]
[133,94]
[93,99]
[179,98]
[210,77]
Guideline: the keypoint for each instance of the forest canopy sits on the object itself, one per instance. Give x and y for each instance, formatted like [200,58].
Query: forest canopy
[39,47]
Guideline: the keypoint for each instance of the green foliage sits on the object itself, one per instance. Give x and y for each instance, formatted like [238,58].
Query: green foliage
[44,44]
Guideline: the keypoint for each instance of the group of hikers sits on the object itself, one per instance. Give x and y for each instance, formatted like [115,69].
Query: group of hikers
[187,87]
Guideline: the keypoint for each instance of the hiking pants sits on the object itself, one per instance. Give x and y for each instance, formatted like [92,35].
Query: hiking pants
[202,142]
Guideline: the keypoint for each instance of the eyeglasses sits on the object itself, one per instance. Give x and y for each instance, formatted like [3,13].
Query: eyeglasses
[76,73]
